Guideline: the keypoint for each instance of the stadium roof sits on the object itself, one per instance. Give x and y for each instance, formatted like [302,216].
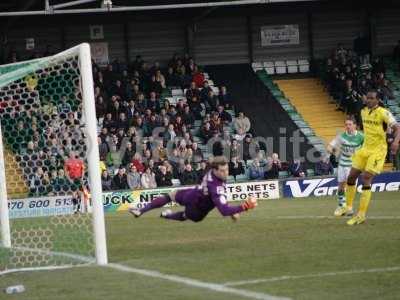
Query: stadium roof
[48,7]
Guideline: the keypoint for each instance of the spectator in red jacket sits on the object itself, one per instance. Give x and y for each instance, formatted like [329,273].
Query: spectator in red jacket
[198,77]
[137,162]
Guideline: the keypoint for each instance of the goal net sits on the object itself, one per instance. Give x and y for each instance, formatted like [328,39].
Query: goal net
[49,131]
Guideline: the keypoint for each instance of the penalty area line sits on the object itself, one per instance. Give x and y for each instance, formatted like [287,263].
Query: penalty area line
[315,275]
[196,283]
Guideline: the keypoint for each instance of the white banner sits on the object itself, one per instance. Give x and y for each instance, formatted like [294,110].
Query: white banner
[39,207]
[99,53]
[276,35]
[262,190]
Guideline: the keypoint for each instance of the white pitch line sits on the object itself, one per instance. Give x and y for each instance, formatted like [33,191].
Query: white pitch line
[293,277]
[196,283]
[331,217]
[149,273]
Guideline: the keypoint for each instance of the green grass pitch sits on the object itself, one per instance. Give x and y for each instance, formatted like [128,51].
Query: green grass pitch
[280,238]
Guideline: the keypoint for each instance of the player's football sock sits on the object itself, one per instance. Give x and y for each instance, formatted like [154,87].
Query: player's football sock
[341,199]
[351,190]
[178,216]
[156,203]
[364,200]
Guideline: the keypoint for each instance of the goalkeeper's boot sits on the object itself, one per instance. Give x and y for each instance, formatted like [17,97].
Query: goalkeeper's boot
[135,212]
[356,220]
[165,213]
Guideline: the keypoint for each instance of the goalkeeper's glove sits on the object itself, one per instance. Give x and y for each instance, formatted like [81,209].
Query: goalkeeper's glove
[249,203]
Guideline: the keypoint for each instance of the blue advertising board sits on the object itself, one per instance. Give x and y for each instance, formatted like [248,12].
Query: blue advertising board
[327,186]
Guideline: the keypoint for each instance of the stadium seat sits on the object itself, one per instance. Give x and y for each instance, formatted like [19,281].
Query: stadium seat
[197,123]
[257,66]
[292,66]
[269,67]
[304,66]
[283,174]
[177,92]
[280,67]
[231,179]
[241,177]
[176,182]
[310,172]
[307,131]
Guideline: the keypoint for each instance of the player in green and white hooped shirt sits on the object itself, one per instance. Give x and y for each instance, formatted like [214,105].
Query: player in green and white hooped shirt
[344,146]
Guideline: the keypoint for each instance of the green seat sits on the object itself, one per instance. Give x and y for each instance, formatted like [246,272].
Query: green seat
[295,117]
[283,174]
[302,124]
[231,179]
[308,132]
[242,177]
[315,140]
[310,172]
[288,107]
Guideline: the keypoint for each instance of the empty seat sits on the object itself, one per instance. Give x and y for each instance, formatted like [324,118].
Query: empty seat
[280,67]
[310,172]
[177,92]
[257,66]
[269,67]
[283,174]
[231,179]
[176,182]
[241,177]
[304,66]
[292,66]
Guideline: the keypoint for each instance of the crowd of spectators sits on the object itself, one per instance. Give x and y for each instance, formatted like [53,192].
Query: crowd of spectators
[145,141]
[131,105]
[349,75]
[349,78]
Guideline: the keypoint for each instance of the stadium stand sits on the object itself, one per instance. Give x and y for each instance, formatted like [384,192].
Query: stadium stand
[189,109]
[348,79]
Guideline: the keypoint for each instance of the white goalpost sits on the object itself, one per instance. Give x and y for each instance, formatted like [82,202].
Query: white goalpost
[4,219]
[47,111]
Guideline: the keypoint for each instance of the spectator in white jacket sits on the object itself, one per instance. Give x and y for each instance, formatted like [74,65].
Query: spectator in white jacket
[242,123]
[148,179]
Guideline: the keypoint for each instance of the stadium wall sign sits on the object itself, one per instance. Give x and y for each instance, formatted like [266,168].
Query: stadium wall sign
[278,35]
[328,186]
[39,207]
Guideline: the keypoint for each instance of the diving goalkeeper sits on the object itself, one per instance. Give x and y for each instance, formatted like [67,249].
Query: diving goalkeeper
[199,201]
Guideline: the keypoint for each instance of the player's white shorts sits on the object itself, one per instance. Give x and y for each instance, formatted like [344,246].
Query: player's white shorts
[343,173]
